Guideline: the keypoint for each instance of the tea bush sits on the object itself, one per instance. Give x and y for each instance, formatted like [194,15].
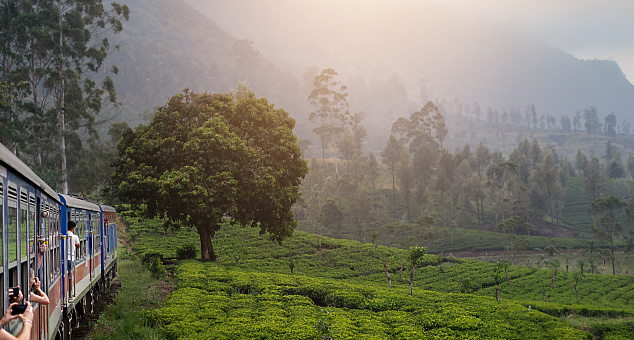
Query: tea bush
[186,251]
[261,299]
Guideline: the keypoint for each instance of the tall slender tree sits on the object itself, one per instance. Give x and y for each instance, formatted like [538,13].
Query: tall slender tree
[391,155]
[329,98]
[57,49]
[609,212]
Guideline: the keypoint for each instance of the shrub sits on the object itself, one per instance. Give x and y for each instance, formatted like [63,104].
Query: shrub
[156,268]
[186,251]
[147,257]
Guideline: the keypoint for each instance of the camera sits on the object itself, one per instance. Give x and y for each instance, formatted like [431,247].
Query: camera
[18,309]
[15,294]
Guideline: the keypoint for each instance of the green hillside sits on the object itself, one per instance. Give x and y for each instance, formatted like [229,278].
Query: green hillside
[341,289]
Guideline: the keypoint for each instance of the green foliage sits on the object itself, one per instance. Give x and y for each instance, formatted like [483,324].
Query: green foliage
[156,267]
[147,257]
[205,158]
[128,317]
[241,304]
[186,251]
[260,297]
[415,255]
[324,323]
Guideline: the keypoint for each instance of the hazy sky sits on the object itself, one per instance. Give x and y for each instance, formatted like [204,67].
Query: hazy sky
[587,29]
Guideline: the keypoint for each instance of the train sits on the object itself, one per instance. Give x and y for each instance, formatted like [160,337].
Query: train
[34,242]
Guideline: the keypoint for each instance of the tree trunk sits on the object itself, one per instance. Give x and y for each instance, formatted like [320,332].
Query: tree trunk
[612,258]
[507,276]
[206,247]
[389,278]
[553,282]
[496,293]
[411,280]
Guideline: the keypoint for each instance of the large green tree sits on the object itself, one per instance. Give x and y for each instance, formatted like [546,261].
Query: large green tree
[208,157]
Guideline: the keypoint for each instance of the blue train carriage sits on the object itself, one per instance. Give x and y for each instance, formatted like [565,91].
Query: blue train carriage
[94,266]
[109,245]
[30,241]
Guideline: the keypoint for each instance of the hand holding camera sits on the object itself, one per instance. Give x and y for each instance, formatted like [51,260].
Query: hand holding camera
[15,294]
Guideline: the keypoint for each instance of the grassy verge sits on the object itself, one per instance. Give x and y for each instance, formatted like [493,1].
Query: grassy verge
[127,317]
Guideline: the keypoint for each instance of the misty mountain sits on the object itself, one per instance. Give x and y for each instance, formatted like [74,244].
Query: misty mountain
[168,46]
[460,59]
[392,58]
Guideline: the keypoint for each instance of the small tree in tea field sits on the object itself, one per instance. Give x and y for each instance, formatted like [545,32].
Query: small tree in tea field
[497,278]
[609,212]
[414,256]
[577,278]
[581,264]
[553,264]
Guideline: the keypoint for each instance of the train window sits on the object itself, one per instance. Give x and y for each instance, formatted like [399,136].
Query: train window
[1,242]
[55,242]
[83,233]
[12,224]
[23,223]
[82,227]
[24,238]
[1,233]
[32,241]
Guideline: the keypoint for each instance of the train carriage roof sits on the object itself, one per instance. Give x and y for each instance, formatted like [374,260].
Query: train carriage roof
[74,202]
[107,208]
[7,158]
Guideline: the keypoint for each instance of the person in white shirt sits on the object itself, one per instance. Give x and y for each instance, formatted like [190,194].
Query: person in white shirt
[73,244]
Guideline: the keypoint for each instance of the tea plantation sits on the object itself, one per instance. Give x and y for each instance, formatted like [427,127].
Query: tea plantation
[303,290]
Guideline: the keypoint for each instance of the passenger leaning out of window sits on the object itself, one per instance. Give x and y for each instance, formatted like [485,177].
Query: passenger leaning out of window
[25,313]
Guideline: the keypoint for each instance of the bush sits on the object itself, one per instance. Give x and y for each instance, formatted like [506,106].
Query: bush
[185,252]
[156,268]
[147,257]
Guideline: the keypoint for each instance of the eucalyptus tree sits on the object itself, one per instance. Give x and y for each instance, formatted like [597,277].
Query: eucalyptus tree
[329,98]
[57,49]
[609,212]
[581,161]
[208,158]
[610,125]
[512,242]
[373,168]
[391,155]
[592,179]
[405,175]
[576,121]
[425,126]
[545,180]
[592,123]
[630,165]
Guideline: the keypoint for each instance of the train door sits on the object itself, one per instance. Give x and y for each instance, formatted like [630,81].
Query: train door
[3,175]
[43,215]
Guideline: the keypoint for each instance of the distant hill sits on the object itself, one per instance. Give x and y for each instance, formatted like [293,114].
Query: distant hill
[168,46]
[460,58]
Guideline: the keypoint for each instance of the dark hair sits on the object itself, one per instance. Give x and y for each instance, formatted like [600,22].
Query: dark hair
[71,225]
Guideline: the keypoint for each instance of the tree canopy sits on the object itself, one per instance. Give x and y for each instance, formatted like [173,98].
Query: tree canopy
[208,157]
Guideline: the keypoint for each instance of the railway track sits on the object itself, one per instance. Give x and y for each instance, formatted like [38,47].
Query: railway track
[88,321]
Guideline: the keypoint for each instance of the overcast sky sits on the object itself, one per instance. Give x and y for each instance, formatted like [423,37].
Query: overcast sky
[587,29]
